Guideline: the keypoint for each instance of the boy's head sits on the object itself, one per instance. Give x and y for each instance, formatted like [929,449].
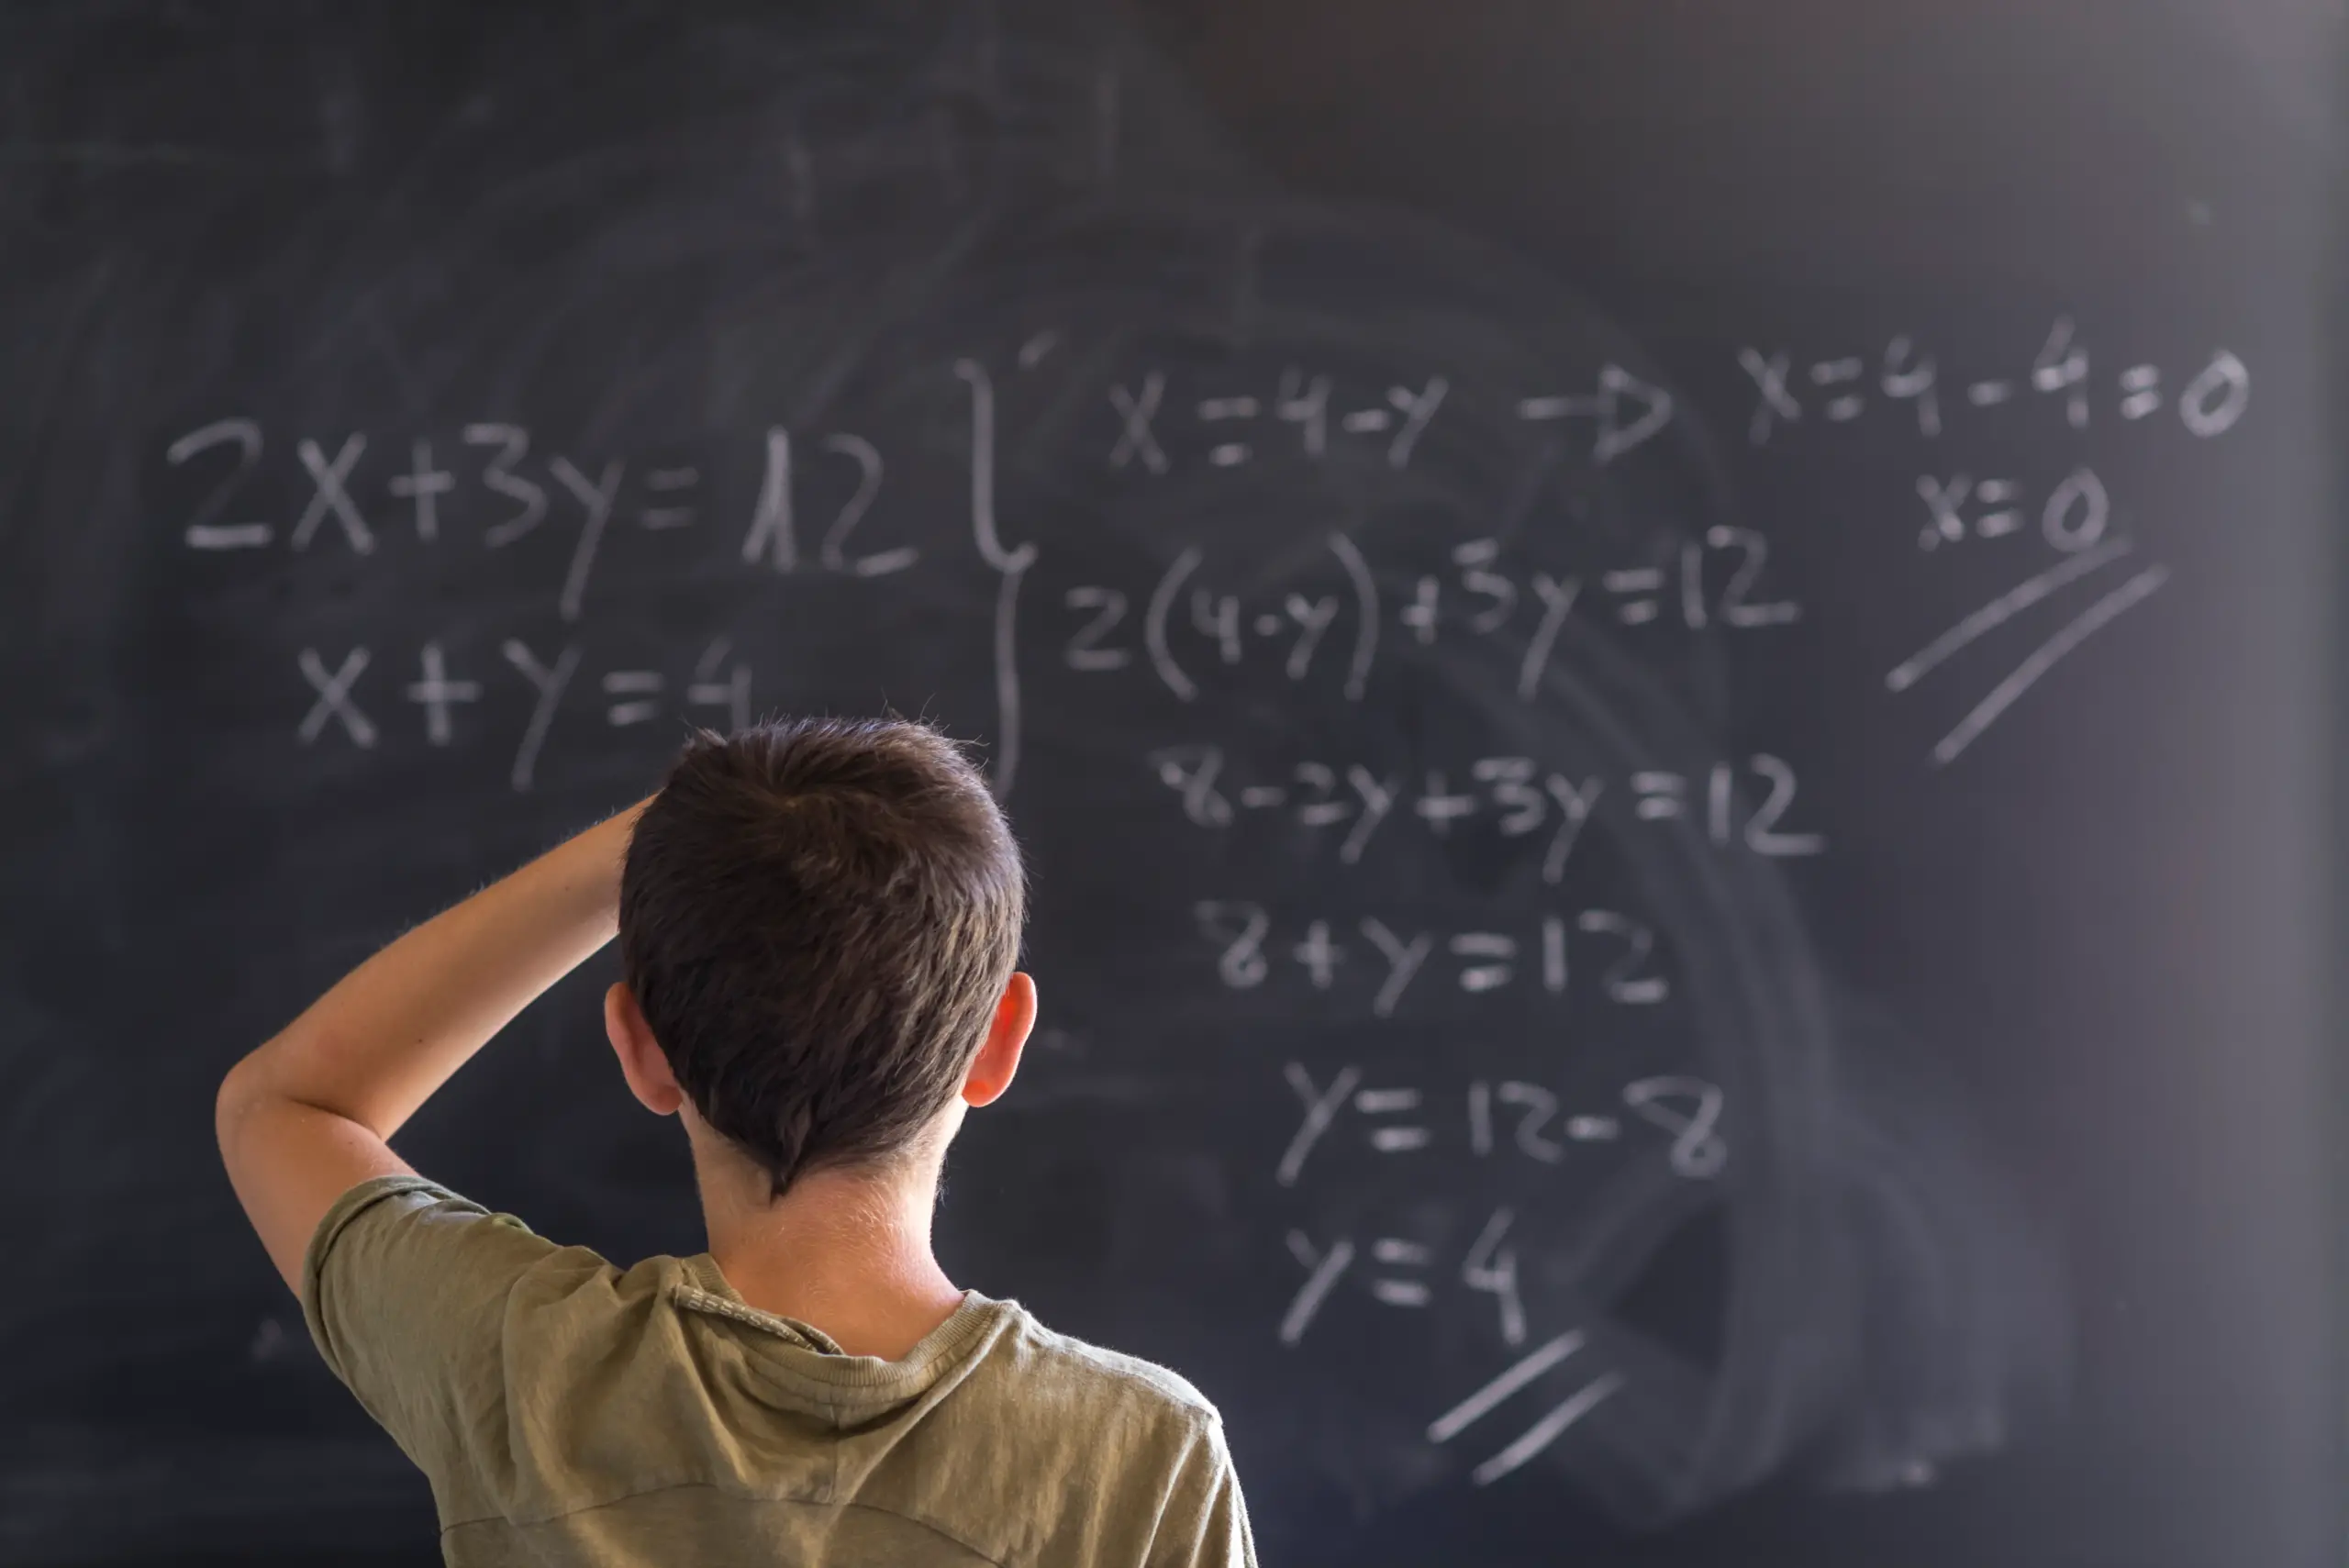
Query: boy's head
[819,921]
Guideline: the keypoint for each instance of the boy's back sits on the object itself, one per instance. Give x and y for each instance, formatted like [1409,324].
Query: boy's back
[568,1412]
[819,926]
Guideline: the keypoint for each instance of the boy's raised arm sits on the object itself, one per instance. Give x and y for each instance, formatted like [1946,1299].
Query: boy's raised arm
[308,1116]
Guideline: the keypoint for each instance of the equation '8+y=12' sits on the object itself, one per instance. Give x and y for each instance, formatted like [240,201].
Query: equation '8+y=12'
[1477,963]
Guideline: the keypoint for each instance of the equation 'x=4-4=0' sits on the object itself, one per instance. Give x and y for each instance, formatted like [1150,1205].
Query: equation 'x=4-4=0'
[2209,403]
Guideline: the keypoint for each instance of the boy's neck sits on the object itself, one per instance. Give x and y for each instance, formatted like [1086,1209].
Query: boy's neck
[847,1253]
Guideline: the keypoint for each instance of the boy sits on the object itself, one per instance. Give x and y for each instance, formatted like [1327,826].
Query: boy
[818,922]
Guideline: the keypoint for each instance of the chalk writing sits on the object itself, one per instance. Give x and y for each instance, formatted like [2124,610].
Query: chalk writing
[1543,1432]
[1786,389]
[329,494]
[2073,516]
[513,444]
[334,702]
[422,486]
[435,692]
[1378,973]
[203,530]
[1311,906]
[1155,430]
[1715,581]
[772,538]
[1397,1272]
[716,692]
[1625,412]
[1512,1118]
[2005,607]
[1515,797]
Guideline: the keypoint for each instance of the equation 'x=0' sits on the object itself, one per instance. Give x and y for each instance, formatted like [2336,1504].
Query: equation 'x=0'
[1542,1433]
[2044,658]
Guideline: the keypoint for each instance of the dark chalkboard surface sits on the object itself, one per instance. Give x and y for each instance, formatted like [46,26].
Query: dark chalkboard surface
[1667,670]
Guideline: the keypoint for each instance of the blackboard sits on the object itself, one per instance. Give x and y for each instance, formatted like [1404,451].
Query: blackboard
[1666,671]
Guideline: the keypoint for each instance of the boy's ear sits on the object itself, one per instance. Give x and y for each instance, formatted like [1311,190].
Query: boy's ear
[998,1058]
[643,1061]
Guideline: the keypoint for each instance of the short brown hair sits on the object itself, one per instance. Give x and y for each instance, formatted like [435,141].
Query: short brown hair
[816,918]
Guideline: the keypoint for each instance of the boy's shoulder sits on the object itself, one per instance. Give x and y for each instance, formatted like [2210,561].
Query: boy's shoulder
[1048,1448]
[1081,1407]
[1062,1365]
[1061,1436]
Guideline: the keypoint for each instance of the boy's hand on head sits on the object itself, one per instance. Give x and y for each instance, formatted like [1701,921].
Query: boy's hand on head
[309,1115]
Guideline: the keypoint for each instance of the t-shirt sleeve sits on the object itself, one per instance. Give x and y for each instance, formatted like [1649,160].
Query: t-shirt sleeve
[405,1286]
[1205,1521]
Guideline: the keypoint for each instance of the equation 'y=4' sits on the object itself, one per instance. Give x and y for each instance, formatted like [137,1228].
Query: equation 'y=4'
[1531,1441]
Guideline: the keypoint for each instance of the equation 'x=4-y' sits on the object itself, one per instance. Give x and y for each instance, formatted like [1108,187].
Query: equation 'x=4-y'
[1542,1433]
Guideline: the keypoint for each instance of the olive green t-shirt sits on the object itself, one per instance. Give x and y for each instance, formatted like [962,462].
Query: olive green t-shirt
[567,1411]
